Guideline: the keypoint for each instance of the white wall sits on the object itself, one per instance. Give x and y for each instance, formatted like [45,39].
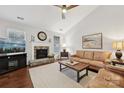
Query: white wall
[5,24]
[106,19]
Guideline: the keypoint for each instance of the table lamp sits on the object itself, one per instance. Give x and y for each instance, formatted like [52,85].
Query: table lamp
[64,47]
[118,45]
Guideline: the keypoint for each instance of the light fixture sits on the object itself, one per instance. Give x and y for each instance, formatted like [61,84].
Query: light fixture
[118,45]
[64,10]
[20,18]
[64,47]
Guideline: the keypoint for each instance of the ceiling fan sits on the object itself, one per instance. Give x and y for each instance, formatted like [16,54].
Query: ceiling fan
[65,8]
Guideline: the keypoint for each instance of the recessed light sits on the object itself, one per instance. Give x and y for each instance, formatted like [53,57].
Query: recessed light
[20,18]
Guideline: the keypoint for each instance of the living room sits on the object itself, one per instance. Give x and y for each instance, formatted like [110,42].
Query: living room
[61,46]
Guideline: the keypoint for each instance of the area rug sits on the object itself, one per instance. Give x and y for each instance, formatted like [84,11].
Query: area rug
[49,76]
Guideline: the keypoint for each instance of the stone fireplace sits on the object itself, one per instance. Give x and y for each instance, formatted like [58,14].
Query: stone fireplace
[41,52]
[41,56]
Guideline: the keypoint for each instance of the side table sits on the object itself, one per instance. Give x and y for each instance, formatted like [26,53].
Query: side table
[116,61]
[64,54]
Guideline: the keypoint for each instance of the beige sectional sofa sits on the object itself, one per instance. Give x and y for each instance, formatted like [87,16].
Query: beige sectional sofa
[96,59]
[108,76]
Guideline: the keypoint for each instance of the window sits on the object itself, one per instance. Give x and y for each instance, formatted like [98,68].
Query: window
[56,44]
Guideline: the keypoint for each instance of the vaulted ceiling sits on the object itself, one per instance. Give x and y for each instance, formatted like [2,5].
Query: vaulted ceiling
[45,16]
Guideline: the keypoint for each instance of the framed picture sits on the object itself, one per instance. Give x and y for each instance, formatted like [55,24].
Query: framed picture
[15,42]
[93,41]
[16,35]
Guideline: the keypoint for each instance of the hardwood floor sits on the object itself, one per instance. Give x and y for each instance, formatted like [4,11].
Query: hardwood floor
[16,79]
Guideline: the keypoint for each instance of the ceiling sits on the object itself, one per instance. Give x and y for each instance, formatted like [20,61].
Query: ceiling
[45,16]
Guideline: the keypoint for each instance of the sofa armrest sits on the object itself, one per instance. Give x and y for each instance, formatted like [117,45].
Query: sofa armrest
[107,61]
[74,55]
[114,69]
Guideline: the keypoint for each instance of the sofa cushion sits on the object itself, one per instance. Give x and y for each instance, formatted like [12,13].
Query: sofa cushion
[79,53]
[97,64]
[84,61]
[101,55]
[88,54]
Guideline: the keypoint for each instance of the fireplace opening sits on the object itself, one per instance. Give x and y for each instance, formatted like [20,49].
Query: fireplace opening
[41,53]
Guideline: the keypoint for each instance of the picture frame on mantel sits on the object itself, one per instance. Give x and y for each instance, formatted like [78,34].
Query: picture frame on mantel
[92,41]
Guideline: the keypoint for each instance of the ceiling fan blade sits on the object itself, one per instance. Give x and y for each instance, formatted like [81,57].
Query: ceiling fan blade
[59,6]
[71,6]
[63,15]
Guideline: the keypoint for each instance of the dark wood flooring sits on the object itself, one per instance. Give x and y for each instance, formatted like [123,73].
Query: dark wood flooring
[16,79]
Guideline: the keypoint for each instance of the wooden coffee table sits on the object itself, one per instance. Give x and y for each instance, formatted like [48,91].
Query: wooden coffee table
[77,67]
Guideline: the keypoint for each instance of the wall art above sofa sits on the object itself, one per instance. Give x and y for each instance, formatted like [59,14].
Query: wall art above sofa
[93,41]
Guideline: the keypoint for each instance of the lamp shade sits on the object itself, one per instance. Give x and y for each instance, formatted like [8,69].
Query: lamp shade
[118,45]
[64,45]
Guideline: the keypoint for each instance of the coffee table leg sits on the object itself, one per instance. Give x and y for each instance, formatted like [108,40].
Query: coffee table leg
[60,67]
[87,72]
[78,77]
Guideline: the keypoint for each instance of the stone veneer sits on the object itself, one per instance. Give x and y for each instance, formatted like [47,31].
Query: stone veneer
[39,47]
